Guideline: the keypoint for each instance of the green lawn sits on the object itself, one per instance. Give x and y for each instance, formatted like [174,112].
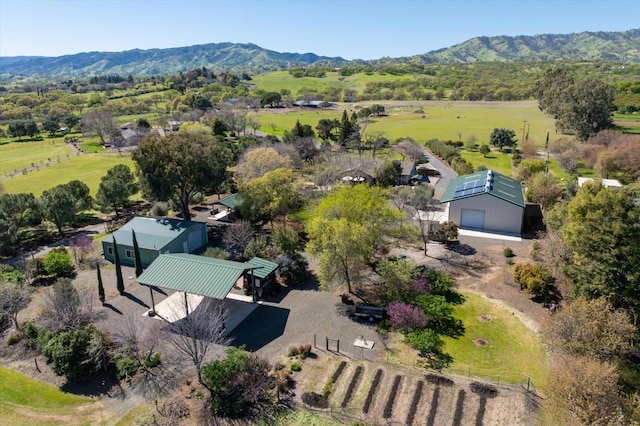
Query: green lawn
[495,160]
[513,352]
[91,146]
[88,168]
[442,120]
[25,401]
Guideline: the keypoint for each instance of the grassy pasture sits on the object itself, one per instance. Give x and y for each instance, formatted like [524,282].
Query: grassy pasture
[513,352]
[442,120]
[25,401]
[277,80]
[19,155]
[88,168]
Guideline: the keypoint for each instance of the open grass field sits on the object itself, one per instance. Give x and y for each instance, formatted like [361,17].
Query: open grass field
[513,352]
[441,120]
[20,155]
[278,80]
[24,401]
[88,168]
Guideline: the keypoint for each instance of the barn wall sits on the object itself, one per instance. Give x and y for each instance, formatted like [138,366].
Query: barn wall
[500,216]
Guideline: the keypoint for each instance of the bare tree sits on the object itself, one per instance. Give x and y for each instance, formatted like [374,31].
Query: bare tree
[254,123]
[409,148]
[138,338]
[197,330]
[13,299]
[326,175]
[425,212]
[237,236]
[99,122]
[65,307]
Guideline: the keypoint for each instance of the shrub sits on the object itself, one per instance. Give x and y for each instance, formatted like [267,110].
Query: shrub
[405,317]
[305,349]
[126,366]
[160,209]
[75,353]
[533,278]
[37,337]
[507,252]
[10,274]
[15,337]
[58,263]
[216,253]
[152,360]
[292,269]
[296,366]
[293,351]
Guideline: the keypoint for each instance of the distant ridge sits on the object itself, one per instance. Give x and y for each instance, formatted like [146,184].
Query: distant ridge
[622,46]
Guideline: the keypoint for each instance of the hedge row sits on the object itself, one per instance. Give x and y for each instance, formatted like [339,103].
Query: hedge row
[338,372]
[388,409]
[352,385]
[372,391]
[434,407]
[457,416]
[414,403]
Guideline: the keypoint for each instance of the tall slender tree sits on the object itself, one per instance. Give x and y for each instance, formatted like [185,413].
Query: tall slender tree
[100,286]
[119,279]
[136,254]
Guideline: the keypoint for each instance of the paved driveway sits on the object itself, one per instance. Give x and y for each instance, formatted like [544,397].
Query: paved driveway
[446,174]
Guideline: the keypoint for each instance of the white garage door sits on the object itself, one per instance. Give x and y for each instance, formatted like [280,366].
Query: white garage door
[472,219]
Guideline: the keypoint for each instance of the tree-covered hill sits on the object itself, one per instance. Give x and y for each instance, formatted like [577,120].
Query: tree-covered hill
[217,57]
[621,46]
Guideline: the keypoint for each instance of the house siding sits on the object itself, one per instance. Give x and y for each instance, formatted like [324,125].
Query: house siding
[500,216]
[146,256]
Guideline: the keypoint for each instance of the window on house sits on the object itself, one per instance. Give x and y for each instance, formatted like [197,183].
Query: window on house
[128,254]
[110,250]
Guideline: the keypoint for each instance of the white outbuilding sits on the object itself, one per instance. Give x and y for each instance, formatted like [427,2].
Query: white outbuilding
[486,201]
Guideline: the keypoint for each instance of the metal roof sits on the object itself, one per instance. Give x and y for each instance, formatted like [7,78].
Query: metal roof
[189,273]
[266,267]
[485,182]
[152,233]
[231,201]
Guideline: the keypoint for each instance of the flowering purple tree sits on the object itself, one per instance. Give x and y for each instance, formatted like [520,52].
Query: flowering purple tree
[405,317]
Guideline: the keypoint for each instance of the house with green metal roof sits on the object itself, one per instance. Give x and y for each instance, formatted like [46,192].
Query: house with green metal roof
[486,201]
[226,207]
[155,235]
[206,276]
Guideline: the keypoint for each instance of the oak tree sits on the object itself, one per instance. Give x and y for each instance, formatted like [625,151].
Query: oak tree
[179,165]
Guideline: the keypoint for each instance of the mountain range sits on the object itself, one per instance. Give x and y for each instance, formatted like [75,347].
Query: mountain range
[622,46]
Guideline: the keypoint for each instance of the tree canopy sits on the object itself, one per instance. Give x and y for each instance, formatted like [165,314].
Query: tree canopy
[115,189]
[503,138]
[347,227]
[179,165]
[582,107]
[603,235]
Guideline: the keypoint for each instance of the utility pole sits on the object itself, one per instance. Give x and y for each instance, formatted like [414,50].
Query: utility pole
[524,128]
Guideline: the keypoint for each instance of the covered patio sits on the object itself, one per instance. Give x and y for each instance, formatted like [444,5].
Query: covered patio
[199,280]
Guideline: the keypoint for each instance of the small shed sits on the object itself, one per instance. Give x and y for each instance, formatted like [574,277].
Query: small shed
[486,201]
[264,273]
[155,236]
[224,208]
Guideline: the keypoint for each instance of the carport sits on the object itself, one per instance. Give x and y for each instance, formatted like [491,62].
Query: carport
[196,278]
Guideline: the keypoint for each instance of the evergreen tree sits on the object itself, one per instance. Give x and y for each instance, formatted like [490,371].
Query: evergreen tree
[100,286]
[136,254]
[119,279]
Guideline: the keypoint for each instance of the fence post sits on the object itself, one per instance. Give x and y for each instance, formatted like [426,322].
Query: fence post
[338,346]
[326,343]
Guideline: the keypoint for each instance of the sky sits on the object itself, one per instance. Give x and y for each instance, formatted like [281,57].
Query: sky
[352,29]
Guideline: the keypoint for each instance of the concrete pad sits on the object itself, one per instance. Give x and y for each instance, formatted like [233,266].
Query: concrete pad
[237,311]
[493,235]
[362,343]
[238,307]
